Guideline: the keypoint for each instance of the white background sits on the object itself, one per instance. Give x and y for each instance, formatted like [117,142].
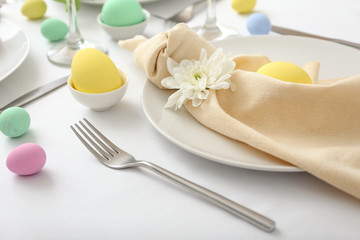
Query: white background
[76,197]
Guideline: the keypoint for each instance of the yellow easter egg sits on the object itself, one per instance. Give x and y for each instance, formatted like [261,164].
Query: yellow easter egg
[243,6]
[92,71]
[34,9]
[285,71]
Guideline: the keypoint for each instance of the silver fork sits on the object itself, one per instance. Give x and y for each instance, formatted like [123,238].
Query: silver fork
[114,157]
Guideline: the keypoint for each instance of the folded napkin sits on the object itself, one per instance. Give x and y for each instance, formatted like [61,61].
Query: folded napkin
[313,126]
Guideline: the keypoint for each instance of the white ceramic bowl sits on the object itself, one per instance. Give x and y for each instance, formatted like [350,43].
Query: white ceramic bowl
[99,101]
[124,32]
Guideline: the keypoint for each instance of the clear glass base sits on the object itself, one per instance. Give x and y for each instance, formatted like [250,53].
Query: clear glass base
[6,1]
[62,53]
[216,33]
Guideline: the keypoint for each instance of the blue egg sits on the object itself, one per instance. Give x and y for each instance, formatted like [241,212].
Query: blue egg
[258,24]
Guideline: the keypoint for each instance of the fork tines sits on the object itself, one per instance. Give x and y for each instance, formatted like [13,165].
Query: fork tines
[94,140]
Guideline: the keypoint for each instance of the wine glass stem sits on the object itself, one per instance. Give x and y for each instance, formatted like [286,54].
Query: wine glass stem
[210,22]
[74,38]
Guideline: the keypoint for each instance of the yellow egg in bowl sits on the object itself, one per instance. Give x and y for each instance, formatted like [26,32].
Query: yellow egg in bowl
[99,101]
[95,81]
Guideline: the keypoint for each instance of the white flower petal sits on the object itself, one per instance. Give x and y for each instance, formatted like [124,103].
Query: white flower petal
[228,66]
[180,102]
[203,94]
[186,64]
[215,57]
[171,64]
[188,93]
[203,55]
[170,83]
[196,102]
[221,85]
[173,99]
[180,77]
[223,78]
[194,78]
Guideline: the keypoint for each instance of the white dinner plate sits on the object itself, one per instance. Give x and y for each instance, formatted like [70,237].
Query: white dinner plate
[182,129]
[14,47]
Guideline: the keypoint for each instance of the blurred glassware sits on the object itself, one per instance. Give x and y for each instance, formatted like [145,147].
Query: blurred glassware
[211,30]
[2,2]
[63,52]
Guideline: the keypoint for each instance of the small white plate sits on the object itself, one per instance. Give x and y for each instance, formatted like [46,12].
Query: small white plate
[182,129]
[14,47]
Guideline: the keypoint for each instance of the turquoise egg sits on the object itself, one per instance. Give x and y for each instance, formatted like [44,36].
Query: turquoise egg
[258,24]
[122,13]
[14,121]
[54,29]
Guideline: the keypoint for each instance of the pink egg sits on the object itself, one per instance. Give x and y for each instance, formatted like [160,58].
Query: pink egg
[26,159]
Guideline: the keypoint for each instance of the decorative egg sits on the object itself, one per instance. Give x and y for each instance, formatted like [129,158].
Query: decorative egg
[285,71]
[92,71]
[26,159]
[243,6]
[122,13]
[33,9]
[14,121]
[258,24]
[54,29]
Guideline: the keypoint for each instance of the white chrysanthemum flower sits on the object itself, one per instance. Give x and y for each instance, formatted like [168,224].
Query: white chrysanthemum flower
[195,78]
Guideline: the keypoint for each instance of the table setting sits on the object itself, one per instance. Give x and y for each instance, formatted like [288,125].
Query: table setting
[164,119]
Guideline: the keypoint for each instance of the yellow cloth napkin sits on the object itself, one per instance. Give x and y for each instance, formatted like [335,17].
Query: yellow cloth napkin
[313,126]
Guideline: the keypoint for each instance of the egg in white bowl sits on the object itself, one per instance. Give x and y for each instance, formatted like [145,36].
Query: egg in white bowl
[99,102]
[125,32]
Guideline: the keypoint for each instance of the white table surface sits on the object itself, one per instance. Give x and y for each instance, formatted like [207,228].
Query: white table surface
[76,197]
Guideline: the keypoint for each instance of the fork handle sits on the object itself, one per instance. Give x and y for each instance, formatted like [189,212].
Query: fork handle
[248,215]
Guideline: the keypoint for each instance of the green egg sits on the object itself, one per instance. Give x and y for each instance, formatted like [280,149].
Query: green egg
[54,29]
[122,13]
[14,121]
